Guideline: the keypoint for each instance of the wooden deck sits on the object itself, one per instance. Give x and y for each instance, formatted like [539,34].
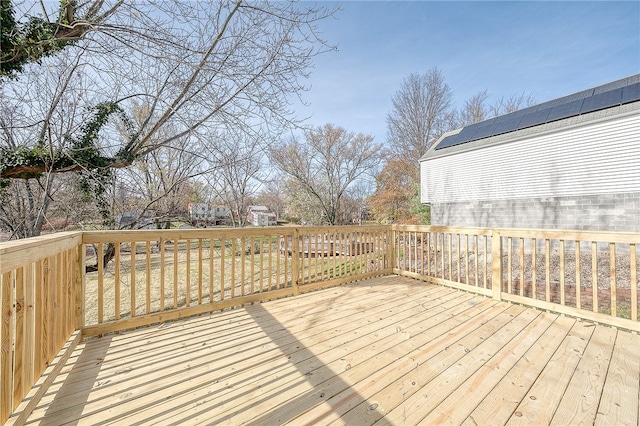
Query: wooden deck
[386,351]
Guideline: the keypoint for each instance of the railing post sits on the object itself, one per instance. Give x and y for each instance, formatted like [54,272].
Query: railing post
[295,261]
[392,247]
[79,285]
[6,345]
[496,264]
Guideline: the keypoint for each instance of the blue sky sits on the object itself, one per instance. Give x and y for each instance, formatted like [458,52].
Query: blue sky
[547,49]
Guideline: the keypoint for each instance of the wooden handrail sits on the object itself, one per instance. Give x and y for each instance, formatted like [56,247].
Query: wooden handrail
[556,270]
[216,268]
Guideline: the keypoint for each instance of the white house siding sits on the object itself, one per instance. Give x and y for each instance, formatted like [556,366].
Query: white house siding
[585,177]
[603,158]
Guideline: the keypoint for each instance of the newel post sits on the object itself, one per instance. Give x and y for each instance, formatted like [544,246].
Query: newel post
[496,264]
[295,261]
[79,285]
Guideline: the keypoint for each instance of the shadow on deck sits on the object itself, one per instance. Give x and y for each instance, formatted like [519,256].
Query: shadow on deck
[383,351]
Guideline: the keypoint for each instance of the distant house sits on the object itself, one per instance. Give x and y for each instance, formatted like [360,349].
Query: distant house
[136,220]
[570,163]
[261,216]
[203,215]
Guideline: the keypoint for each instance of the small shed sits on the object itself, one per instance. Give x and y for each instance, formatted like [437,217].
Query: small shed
[570,163]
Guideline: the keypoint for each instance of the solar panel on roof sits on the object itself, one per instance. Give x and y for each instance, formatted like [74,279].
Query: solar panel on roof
[612,86]
[508,125]
[485,129]
[468,131]
[569,109]
[605,96]
[450,141]
[602,101]
[566,99]
[464,136]
[631,93]
[458,138]
[534,118]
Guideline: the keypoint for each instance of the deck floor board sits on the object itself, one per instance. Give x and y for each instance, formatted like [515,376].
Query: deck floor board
[385,351]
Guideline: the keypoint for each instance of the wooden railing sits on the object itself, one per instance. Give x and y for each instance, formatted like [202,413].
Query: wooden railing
[457,257]
[41,303]
[49,302]
[591,275]
[180,273]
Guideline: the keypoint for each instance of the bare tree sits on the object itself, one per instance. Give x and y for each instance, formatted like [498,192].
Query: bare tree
[327,163]
[237,169]
[159,180]
[271,194]
[160,183]
[197,65]
[474,109]
[19,213]
[210,61]
[421,112]
[36,34]
[34,118]
[505,105]
[302,205]
[355,208]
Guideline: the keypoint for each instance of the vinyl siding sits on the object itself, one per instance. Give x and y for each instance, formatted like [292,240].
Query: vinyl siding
[597,158]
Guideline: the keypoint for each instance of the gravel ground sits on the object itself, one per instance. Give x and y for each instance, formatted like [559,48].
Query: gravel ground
[622,273]
[522,276]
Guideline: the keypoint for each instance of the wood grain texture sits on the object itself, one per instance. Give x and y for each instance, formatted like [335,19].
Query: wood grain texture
[6,342]
[619,404]
[15,254]
[582,397]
